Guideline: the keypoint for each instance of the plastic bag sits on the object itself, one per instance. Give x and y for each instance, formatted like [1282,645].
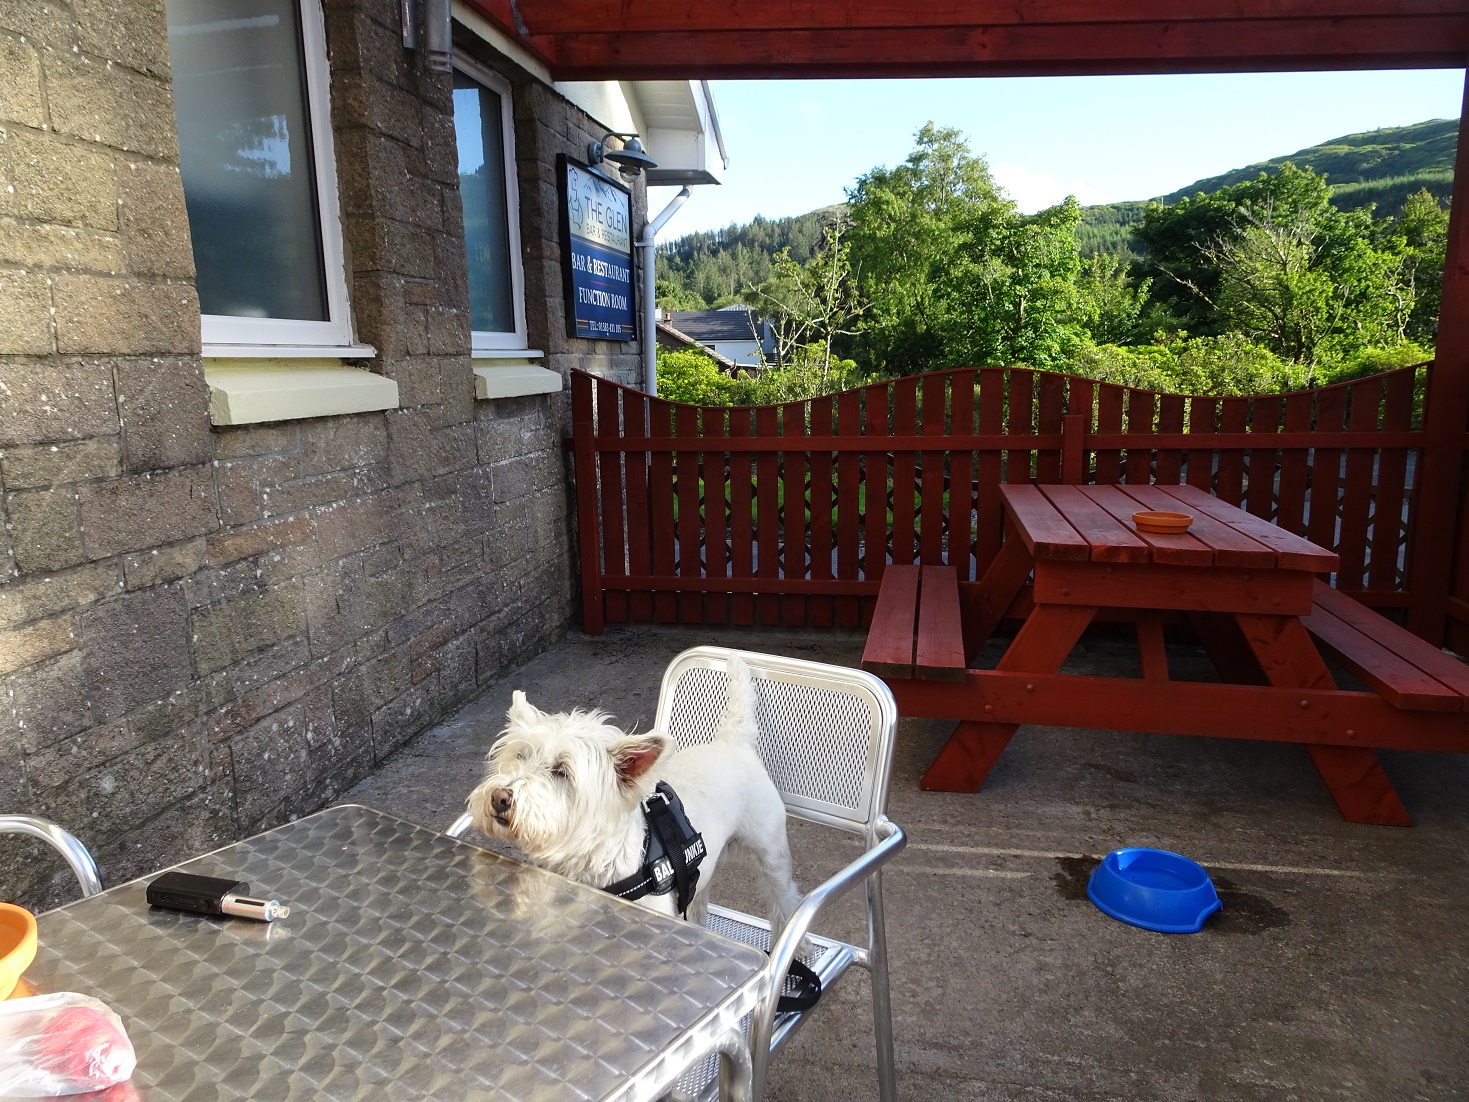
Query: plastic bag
[61,1044]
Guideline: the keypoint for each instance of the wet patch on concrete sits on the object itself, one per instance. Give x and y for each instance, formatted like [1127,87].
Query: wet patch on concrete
[1244,912]
[1072,874]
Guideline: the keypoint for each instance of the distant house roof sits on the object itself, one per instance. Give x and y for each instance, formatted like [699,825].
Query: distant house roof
[706,326]
[669,337]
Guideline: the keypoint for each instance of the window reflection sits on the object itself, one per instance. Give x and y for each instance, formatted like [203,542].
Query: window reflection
[245,156]
[480,131]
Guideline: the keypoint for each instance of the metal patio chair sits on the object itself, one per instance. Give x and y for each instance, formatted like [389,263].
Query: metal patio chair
[63,842]
[826,737]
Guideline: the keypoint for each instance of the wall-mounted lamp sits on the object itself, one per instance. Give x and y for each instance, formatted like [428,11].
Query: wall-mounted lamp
[630,159]
[428,28]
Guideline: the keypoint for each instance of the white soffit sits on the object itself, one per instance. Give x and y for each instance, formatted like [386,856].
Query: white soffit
[682,132]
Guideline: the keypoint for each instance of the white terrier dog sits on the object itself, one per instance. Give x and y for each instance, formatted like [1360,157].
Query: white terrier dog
[568,788]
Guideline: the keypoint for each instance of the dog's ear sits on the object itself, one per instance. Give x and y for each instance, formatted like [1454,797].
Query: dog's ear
[522,711]
[634,755]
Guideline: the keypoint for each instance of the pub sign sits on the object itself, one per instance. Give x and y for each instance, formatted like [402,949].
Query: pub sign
[596,254]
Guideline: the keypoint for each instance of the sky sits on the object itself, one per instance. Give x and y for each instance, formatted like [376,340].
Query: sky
[797,145]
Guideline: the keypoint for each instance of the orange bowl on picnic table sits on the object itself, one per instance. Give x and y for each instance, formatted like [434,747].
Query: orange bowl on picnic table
[1162,522]
[17,945]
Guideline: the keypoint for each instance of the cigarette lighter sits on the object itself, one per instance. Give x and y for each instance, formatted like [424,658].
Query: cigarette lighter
[212,895]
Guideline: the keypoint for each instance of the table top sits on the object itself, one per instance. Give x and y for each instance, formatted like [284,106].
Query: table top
[1094,523]
[411,963]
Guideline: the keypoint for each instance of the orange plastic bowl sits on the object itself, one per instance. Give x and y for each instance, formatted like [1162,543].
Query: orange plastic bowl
[1149,521]
[17,945]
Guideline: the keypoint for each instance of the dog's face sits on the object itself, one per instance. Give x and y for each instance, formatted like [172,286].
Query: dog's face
[556,782]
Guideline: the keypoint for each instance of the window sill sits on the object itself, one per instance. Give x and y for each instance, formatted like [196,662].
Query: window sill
[250,392]
[506,354]
[515,380]
[288,351]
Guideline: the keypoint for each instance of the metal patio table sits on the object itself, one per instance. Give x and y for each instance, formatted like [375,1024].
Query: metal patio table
[412,966]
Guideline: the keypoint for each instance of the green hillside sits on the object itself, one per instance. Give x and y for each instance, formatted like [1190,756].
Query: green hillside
[1381,167]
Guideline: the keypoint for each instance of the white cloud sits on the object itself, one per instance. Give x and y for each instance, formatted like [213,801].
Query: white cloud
[1034,191]
[812,108]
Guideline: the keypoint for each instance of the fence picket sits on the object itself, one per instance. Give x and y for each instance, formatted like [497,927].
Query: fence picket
[875,481]
[1050,410]
[1202,416]
[1390,496]
[712,505]
[961,474]
[1170,460]
[1110,401]
[660,509]
[1260,494]
[931,526]
[794,532]
[1290,512]
[1021,423]
[1233,416]
[635,468]
[849,498]
[988,515]
[905,468]
[614,558]
[767,512]
[1139,422]
[1331,405]
[1365,401]
[741,518]
[822,491]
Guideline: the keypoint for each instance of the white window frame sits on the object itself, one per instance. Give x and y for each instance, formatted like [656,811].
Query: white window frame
[482,341]
[231,336]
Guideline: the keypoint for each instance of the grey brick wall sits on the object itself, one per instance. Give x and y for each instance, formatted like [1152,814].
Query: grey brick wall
[204,632]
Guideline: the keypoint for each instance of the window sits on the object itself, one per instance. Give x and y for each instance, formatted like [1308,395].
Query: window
[484,130]
[250,93]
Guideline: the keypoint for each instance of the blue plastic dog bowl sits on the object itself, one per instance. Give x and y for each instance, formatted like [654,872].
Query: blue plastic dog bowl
[1154,889]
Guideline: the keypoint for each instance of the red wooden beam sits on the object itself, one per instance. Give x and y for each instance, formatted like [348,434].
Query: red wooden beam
[544,17]
[503,16]
[1433,41]
[1440,507]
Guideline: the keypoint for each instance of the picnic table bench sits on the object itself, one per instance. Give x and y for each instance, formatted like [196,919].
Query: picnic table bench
[1250,590]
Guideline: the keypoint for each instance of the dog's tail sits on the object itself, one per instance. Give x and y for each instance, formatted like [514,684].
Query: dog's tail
[738,721]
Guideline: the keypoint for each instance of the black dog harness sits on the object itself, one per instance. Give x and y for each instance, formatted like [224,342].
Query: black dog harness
[672,852]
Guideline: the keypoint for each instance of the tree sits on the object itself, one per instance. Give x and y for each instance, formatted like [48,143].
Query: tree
[1110,302]
[811,305]
[906,241]
[955,273]
[1423,227]
[1273,260]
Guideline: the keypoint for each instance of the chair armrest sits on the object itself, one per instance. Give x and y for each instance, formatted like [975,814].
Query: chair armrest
[63,842]
[457,828]
[784,951]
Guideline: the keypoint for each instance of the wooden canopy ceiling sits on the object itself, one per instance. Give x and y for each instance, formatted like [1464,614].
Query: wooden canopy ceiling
[677,39]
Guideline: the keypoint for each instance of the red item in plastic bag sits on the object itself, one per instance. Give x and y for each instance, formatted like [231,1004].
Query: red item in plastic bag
[82,1042]
[62,1044]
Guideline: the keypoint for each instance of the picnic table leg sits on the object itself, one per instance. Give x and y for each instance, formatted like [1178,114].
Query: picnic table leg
[985,602]
[1040,646]
[1353,775]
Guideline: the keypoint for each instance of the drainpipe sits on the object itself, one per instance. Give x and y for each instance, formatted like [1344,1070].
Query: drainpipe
[650,326]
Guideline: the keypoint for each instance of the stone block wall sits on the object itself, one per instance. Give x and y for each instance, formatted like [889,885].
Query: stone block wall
[207,631]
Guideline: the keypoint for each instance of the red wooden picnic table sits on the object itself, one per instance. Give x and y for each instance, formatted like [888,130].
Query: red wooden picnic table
[1250,590]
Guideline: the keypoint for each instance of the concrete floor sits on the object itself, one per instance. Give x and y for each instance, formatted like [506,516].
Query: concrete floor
[1338,969]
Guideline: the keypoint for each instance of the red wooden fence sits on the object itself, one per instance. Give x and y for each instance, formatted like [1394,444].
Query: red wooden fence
[788,514]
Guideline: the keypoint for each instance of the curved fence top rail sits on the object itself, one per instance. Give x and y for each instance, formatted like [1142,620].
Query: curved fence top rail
[1067,378]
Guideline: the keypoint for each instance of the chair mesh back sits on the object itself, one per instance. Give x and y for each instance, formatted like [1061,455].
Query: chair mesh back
[825,734]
